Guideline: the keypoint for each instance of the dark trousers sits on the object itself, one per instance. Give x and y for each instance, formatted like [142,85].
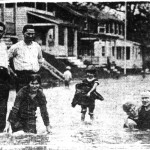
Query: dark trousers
[23,78]
[4,93]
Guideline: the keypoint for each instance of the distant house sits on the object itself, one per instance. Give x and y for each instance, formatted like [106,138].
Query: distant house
[108,42]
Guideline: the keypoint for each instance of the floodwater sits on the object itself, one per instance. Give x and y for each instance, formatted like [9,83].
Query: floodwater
[68,133]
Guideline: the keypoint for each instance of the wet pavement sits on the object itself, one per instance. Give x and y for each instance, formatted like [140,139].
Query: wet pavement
[68,133]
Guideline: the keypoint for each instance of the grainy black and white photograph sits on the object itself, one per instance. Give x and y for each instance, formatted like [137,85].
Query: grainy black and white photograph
[74,75]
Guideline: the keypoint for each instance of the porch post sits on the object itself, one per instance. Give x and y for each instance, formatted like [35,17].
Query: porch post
[115,50]
[15,15]
[75,53]
[66,40]
[106,48]
[56,40]
[2,14]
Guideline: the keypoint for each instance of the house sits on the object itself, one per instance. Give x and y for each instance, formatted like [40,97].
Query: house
[108,43]
[70,34]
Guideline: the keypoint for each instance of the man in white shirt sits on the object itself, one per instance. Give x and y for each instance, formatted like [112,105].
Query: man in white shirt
[27,56]
[4,76]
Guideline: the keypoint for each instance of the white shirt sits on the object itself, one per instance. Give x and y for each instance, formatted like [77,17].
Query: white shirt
[3,55]
[26,57]
[67,75]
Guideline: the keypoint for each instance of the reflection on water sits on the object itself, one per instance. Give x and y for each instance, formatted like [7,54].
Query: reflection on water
[24,139]
[93,135]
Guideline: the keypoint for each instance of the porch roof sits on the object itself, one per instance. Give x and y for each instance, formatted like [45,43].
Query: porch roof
[51,19]
[106,16]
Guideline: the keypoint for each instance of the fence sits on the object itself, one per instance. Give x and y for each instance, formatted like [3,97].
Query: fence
[92,59]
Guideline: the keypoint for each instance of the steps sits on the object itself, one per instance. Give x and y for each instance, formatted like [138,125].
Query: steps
[76,62]
[56,73]
[112,71]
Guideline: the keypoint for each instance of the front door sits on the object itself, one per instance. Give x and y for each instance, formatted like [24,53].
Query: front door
[70,41]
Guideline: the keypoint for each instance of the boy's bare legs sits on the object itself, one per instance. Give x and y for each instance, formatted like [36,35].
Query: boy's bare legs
[92,117]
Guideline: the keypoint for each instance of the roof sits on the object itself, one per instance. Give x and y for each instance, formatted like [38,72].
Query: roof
[51,19]
[69,8]
[107,16]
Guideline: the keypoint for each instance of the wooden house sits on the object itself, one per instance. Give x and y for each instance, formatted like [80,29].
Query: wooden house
[66,33]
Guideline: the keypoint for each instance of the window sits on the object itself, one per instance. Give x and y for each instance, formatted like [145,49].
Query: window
[128,53]
[101,28]
[120,30]
[85,25]
[61,35]
[41,6]
[111,28]
[113,51]
[136,53]
[122,55]
[50,7]
[103,50]
[26,4]
[107,28]
[118,52]
[9,5]
[123,29]
[116,28]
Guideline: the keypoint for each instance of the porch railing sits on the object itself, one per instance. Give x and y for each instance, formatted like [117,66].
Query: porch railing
[92,59]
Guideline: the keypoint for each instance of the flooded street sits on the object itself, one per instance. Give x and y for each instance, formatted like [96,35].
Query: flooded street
[106,132]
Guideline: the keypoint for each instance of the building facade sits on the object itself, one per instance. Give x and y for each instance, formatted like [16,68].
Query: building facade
[64,32]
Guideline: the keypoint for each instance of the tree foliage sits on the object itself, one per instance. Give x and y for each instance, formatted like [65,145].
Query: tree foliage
[138,22]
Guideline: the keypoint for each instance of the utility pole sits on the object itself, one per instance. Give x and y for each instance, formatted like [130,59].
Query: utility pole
[125,39]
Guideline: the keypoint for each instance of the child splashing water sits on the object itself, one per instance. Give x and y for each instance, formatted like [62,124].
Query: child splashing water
[22,117]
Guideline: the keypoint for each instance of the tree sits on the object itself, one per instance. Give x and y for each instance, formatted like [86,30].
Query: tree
[138,22]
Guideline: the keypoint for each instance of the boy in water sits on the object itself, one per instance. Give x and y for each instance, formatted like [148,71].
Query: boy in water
[23,114]
[144,113]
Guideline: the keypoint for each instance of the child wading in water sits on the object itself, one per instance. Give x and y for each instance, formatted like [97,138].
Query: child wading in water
[88,101]
[23,114]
